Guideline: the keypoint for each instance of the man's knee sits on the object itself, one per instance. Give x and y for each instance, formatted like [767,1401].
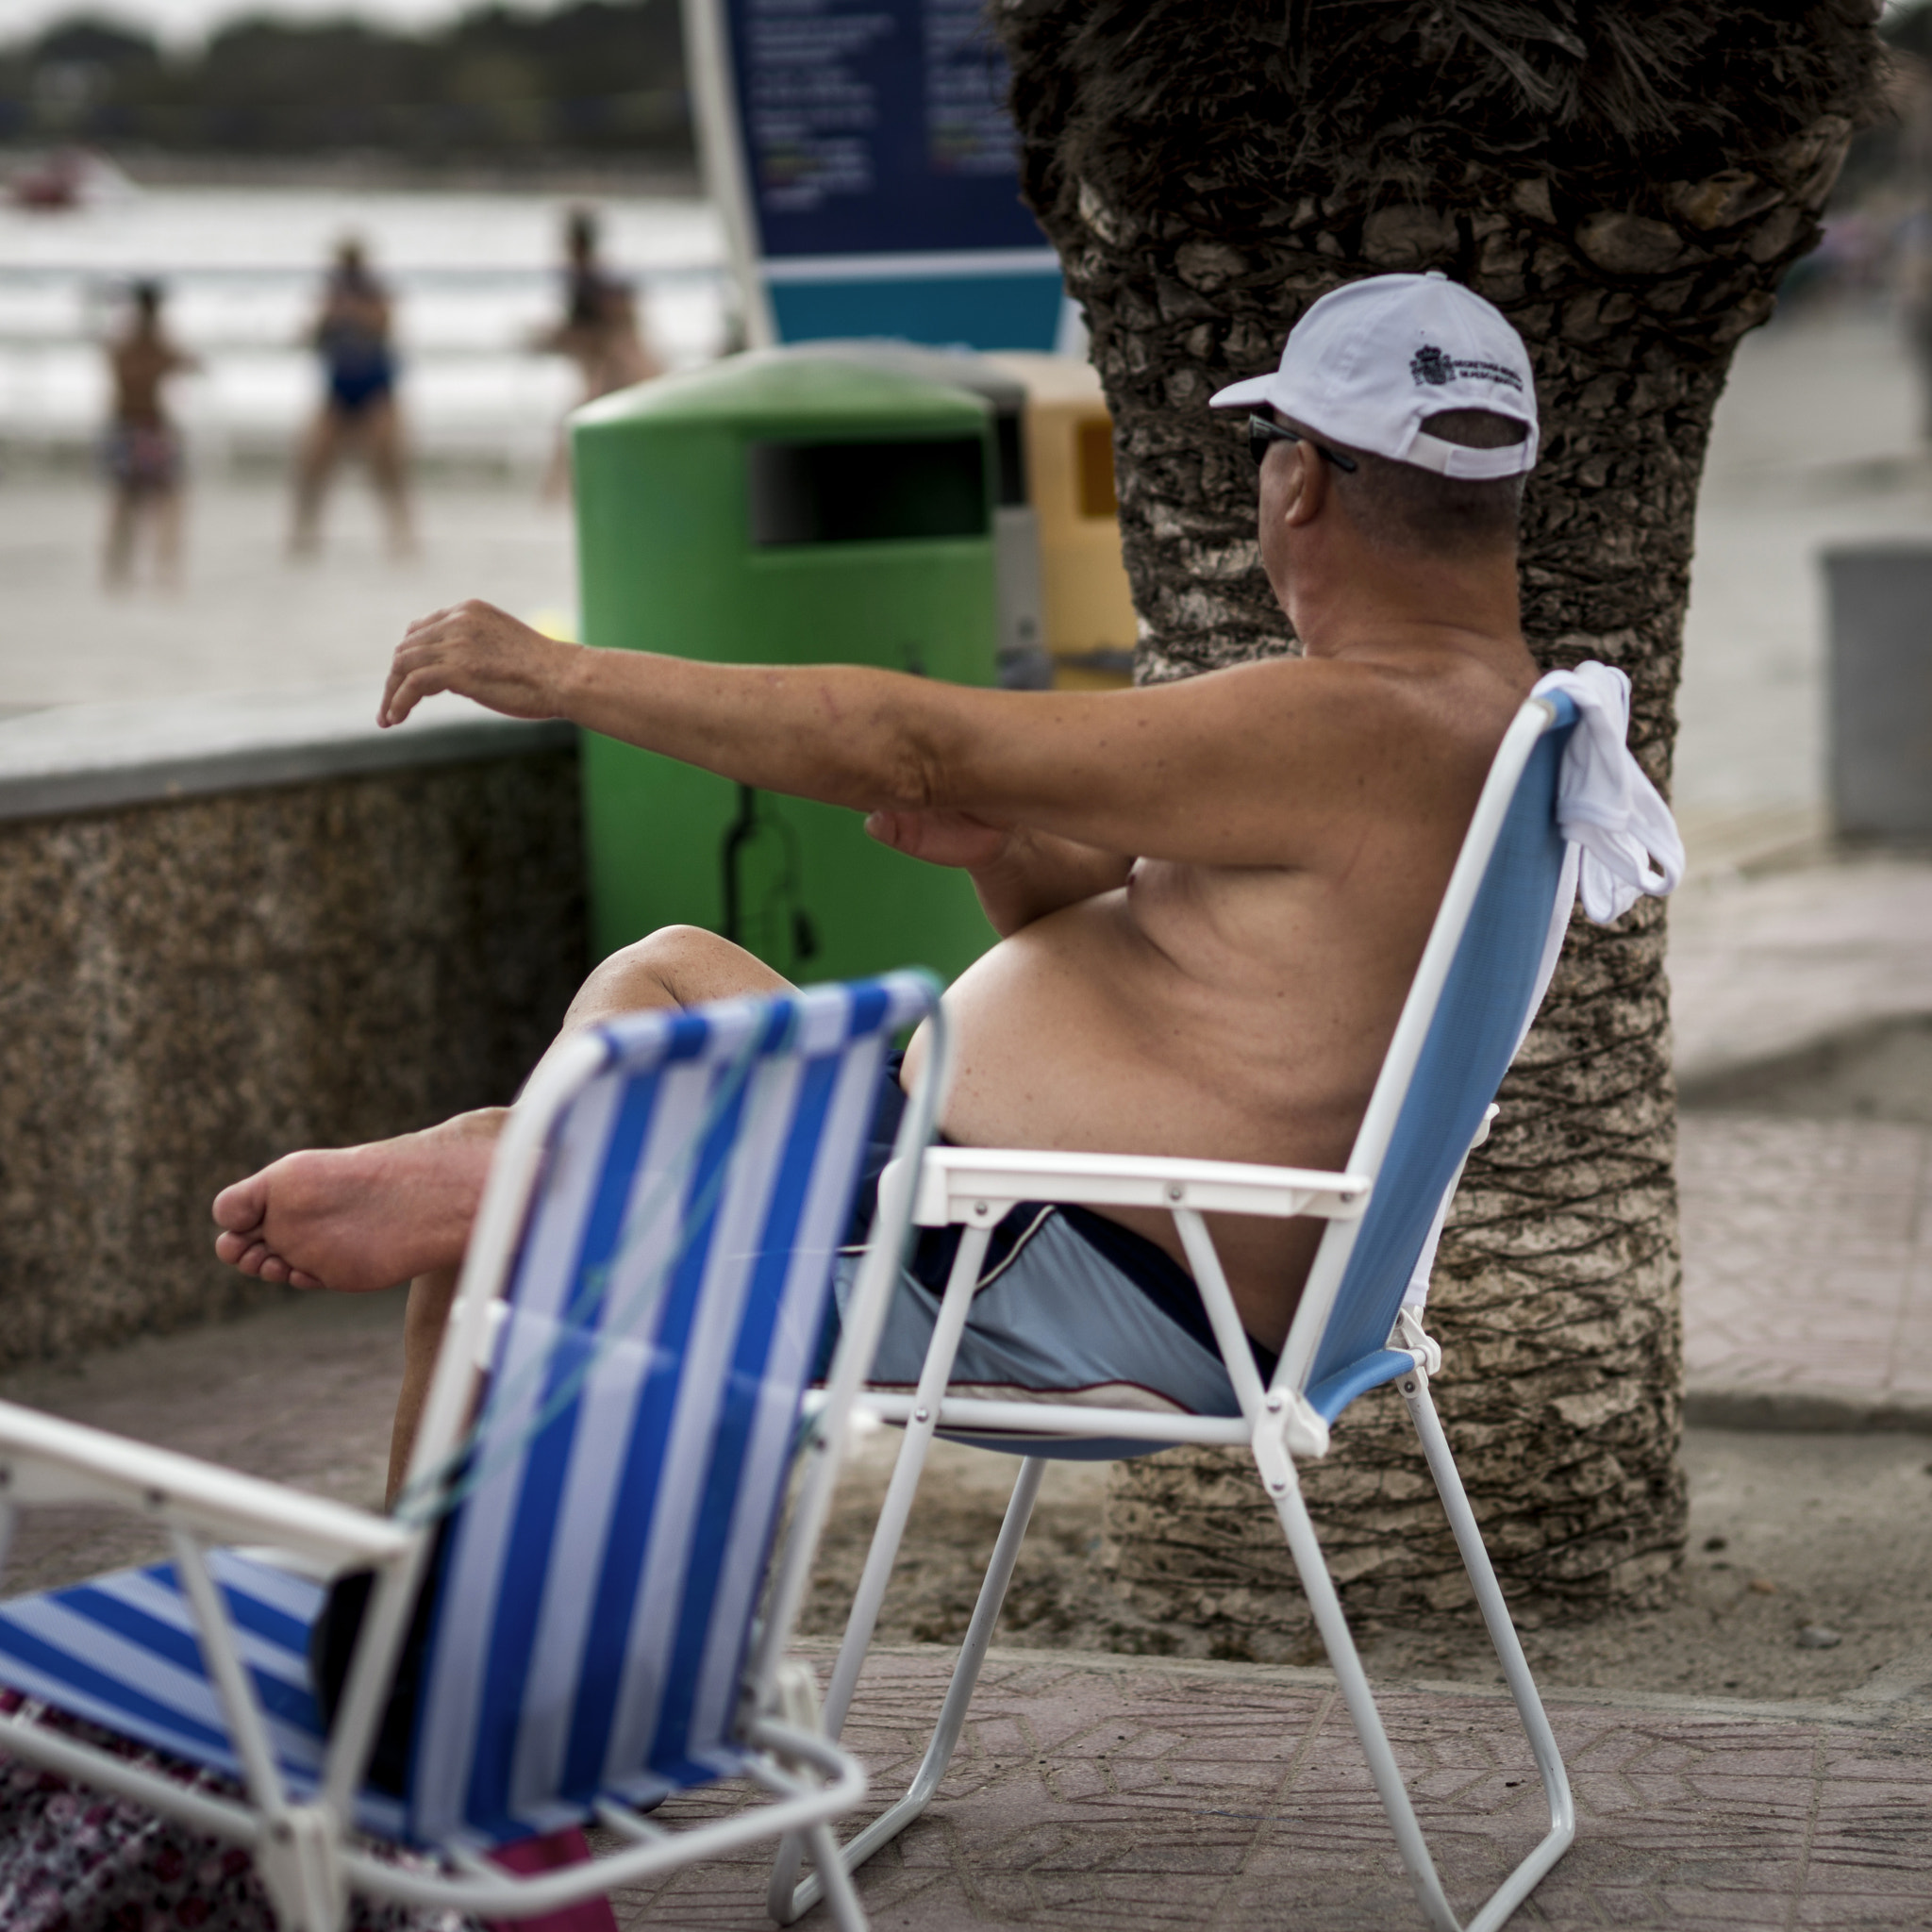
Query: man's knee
[671,953]
[677,965]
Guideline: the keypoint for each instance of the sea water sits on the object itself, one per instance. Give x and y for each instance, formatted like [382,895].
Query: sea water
[474,276]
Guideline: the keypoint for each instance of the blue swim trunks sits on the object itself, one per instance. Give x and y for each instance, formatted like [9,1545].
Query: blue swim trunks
[1070,1307]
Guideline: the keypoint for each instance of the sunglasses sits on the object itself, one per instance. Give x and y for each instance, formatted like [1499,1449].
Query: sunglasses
[1262,434]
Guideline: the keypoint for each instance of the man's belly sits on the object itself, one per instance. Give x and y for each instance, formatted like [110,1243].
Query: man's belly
[1080,1033]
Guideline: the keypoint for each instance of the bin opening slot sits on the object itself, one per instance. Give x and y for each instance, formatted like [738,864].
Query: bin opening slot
[866,492]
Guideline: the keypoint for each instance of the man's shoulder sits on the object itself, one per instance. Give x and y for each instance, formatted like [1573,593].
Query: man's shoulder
[1436,695]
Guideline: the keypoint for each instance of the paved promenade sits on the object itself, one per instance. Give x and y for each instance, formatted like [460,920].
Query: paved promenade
[1807,1243]
[1110,1792]
[1807,1259]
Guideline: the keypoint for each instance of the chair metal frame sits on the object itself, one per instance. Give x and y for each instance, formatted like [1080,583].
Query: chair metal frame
[974,1187]
[307,1852]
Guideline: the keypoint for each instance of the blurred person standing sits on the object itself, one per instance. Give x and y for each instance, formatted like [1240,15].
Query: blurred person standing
[358,414]
[143,447]
[599,330]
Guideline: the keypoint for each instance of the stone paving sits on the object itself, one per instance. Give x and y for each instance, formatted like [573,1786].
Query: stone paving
[1807,1261]
[1807,1244]
[1122,1793]
[1764,966]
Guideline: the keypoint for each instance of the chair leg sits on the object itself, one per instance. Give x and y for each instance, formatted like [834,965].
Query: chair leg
[1319,1588]
[952,1719]
[847,1913]
[780,1895]
[1352,1681]
[785,1897]
[1509,1648]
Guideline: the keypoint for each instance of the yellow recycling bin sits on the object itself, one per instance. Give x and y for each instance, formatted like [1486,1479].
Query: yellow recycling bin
[1087,607]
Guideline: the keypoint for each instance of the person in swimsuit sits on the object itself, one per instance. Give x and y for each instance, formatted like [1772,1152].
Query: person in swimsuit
[143,447]
[358,414]
[1210,895]
[598,331]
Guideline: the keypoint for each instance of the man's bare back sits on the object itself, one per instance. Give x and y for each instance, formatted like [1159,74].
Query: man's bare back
[1211,896]
[1234,1012]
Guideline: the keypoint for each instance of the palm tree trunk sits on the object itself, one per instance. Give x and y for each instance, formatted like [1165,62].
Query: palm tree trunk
[1628,182]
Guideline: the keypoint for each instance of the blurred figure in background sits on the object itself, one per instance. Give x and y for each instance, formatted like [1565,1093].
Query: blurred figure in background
[143,447]
[599,331]
[358,414]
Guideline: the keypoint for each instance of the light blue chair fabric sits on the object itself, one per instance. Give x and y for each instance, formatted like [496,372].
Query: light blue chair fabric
[1478,1022]
[612,1514]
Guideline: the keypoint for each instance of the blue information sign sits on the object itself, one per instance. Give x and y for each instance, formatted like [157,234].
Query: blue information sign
[867,146]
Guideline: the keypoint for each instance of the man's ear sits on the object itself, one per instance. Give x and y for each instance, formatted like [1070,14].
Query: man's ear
[1308,490]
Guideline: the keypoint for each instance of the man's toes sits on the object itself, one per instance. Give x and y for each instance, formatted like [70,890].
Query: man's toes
[241,1206]
[300,1278]
[248,1255]
[273,1269]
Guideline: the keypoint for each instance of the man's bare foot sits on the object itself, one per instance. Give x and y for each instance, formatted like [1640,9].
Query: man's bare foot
[355,1219]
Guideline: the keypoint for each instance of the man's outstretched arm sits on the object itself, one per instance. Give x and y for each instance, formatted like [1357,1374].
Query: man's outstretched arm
[1261,764]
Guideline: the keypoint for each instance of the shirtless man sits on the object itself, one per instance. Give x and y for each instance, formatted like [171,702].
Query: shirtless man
[1211,896]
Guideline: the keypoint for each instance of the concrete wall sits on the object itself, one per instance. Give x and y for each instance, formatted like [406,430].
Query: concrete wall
[231,929]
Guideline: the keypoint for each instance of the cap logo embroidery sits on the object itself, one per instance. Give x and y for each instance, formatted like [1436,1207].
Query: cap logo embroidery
[1434,368]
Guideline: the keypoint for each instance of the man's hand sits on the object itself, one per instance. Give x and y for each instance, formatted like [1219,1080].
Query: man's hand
[943,837]
[481,653]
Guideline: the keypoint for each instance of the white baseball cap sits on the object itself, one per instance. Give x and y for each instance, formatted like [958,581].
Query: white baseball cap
[1369,361]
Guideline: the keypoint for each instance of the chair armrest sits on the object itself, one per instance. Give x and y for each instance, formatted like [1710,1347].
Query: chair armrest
[44,1458]
[976,1186]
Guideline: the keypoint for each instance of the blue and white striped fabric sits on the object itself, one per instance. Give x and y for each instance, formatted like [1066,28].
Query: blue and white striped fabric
[121,1650]
[614,1515]
[604,1570]
[1477,1025]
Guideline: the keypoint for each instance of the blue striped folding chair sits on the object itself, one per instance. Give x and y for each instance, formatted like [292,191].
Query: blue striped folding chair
[1482,975]
[638,1317]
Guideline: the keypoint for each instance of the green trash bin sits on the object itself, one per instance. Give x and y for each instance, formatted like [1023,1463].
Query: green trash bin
[771,509]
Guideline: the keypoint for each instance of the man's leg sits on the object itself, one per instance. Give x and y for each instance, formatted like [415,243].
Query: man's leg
[117,565]
[362,1218]
[167,515]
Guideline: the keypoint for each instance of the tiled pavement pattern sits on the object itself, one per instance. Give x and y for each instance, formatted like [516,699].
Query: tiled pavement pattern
[1807,1268]
[1129,1793]
[1761,965]
[1808,1245]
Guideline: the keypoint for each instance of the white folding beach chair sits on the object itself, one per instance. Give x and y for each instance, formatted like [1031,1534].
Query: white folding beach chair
[1482,975]
[638,1319]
